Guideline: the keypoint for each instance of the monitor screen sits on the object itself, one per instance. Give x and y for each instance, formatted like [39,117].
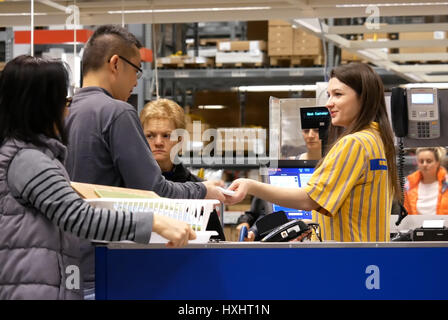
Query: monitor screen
[298,177]
[422,98]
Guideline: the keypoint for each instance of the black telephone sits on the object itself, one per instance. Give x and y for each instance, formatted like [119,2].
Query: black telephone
[415,113]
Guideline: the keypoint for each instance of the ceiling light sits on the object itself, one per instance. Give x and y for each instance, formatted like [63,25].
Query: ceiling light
[212,106]
[405,4]
[307,87]
[188,10]
[22,14]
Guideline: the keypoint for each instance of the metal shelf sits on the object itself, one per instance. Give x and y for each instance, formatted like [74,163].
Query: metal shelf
[222,78]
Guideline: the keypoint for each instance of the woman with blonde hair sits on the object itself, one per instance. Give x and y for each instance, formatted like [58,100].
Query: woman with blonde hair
[159,118]
[426,189]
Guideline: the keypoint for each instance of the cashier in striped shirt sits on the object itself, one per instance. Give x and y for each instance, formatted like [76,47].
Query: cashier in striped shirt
[352,188]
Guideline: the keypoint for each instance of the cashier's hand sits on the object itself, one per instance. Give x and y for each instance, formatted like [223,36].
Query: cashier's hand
[176,232]
[250,234]
[212,192]
[241,187]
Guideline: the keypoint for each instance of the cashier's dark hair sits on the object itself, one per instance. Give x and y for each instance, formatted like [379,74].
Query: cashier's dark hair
[32,100]
[370,90]
[106,41]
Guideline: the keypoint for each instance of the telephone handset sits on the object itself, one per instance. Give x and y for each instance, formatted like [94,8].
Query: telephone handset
[415,113]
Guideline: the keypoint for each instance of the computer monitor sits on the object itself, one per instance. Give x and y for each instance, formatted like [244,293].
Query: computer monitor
[291,173]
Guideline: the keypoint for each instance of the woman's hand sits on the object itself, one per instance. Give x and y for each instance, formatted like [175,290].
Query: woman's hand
[176,232]
[241,188]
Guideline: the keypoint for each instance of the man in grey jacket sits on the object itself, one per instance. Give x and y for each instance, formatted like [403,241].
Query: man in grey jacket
[106,144]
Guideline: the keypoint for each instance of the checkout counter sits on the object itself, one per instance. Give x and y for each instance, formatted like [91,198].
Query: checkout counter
[283,270]
[273,271]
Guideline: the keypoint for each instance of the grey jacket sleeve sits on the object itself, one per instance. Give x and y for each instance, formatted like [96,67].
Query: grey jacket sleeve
[132,156]
[35,180]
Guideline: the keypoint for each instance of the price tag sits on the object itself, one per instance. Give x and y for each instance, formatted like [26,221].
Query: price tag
[296,73]
[238,74]
[181,74]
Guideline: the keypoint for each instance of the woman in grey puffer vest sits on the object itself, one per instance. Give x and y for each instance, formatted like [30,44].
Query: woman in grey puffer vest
[35,254]
[41,216]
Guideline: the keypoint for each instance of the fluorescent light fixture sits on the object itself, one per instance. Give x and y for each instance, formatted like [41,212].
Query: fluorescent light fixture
[394,4]
[212,106]
[22,14]
[307,87]
[188,10]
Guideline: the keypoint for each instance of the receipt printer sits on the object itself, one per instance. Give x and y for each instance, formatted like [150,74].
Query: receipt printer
[430,234]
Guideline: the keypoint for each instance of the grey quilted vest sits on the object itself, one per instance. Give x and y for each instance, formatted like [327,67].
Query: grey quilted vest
[36,257]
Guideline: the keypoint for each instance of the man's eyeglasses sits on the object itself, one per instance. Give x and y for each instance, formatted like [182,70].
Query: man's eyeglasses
[139,70]
[68,101]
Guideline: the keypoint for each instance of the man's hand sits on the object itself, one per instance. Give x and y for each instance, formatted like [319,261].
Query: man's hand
[176,232]
[250,234]
[212,191]
[244,224]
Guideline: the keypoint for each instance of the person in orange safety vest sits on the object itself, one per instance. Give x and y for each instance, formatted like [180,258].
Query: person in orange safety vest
[426,190]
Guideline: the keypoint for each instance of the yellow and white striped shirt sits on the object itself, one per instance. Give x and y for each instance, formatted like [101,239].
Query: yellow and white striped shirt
[352,184]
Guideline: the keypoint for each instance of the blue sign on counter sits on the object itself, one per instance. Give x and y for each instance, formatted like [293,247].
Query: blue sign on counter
[257,273]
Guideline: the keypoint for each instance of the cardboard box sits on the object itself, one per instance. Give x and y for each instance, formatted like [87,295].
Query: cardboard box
[302,37]
[376,36]
[305,51]
[280,40]
[181,61]
[206,52]
[276,22]
[240,57]
[88,190]
[241,139]
[436,35]
[257,30]
[256,45]
[305,43]
[348,56]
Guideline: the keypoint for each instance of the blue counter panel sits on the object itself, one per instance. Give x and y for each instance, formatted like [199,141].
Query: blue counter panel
[272,273]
